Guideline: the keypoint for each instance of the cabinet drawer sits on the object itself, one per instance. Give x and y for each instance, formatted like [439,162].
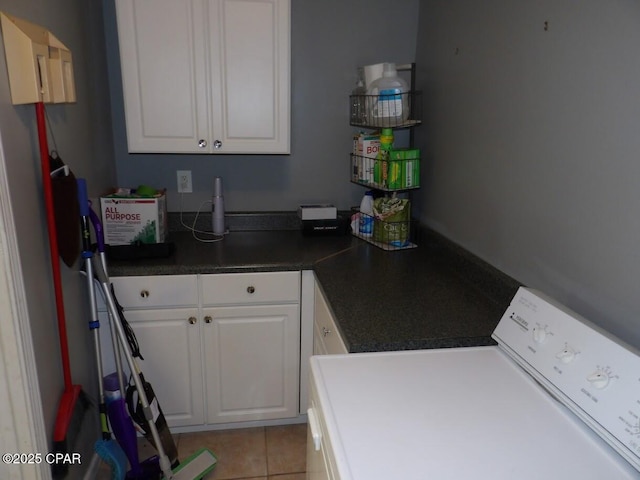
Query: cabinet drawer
[246,288]
[156,291]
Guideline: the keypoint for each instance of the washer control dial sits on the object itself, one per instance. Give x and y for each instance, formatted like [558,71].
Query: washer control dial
[567,354]
[599,378]
[540,334]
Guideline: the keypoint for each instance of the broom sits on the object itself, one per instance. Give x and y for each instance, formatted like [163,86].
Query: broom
[74,402]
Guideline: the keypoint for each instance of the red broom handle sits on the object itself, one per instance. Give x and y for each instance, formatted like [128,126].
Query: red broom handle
[53,244]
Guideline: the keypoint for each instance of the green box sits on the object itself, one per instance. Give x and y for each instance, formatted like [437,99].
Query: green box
[404,170]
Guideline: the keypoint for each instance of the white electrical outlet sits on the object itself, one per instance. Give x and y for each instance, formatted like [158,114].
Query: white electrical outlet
[184,181]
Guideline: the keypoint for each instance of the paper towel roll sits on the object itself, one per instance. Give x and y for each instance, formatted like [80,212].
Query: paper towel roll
[372,73]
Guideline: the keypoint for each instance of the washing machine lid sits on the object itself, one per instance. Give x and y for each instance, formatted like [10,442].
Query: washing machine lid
[468,413]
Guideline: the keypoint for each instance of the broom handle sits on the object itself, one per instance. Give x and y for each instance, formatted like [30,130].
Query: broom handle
[53,244]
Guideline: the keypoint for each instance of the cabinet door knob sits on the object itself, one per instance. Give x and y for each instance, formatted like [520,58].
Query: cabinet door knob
[217,144]
[144,293]
[192,320]
[202,143]
[325,331]
[251,289]
[208,319]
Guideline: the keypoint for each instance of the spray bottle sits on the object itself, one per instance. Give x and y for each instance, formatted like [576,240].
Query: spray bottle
[381,167]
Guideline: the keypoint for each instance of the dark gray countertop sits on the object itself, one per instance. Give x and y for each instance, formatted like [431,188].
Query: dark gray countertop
[434,296]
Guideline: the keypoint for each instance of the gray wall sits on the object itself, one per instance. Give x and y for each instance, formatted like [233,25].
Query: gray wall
[531,144]
[83,140]
[329,39]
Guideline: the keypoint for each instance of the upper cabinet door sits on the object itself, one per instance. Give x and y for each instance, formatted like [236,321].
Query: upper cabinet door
[206,76]
[250,71]
[162,56]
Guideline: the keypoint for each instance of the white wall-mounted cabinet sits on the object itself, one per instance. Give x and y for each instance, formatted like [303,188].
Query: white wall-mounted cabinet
[206,76]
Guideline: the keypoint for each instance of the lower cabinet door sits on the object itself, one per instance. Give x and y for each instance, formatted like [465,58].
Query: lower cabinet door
[252,362]
[169,341]
[326,338]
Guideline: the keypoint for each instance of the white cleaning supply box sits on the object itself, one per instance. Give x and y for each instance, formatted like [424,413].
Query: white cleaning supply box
[317,212]
[128,219]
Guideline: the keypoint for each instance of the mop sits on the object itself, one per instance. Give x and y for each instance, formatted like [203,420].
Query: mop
[121,423]
[136,414]
[196,466]
[109,450]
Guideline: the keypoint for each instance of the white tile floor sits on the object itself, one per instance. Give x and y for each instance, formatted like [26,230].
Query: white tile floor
[261,453]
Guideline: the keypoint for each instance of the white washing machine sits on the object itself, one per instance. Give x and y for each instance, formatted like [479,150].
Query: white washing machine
[556,399]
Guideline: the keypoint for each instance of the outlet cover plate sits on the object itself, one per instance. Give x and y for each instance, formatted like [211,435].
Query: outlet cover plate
[184,181]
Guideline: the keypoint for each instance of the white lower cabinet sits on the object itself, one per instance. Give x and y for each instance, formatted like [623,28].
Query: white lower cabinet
[170,344]
[252,362]
[163,313]
[326,338]
[320,460]
[218,348]
[251,345]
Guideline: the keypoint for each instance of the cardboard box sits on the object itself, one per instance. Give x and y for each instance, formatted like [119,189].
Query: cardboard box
[365,149]
[317,212]
[330,226]
[405,168]
[129,219]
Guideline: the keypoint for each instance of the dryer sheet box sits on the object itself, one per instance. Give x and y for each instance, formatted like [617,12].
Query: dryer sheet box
[365,150]
[133,219]
[407,168]
[317,212]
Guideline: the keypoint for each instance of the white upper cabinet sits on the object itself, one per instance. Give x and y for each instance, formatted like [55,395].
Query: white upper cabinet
[206,76]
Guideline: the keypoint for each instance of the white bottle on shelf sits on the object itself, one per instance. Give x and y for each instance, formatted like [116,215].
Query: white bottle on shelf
[366,215]
[389,96]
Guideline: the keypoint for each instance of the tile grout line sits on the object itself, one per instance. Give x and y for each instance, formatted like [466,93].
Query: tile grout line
[266,450]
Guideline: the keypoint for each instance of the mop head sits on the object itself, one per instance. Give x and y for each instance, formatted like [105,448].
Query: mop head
[111,453]
[196,466]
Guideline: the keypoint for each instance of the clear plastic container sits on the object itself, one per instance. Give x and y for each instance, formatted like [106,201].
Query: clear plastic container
[358,104]
[389,98]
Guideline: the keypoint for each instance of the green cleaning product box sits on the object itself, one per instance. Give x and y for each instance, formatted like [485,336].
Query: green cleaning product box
[128,218]
[404,168]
